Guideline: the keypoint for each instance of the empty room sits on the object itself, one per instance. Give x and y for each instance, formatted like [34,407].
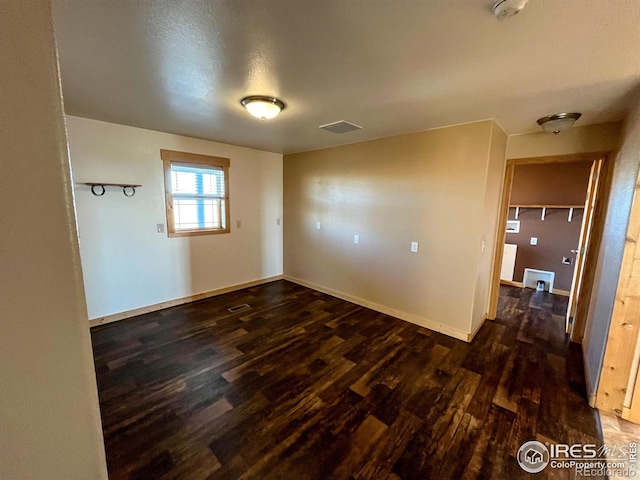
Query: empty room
[319,240]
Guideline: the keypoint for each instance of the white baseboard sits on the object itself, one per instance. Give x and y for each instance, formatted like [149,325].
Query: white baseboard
[409,317]
[94,322]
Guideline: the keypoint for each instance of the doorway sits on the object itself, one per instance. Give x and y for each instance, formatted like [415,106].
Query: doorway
[590,213]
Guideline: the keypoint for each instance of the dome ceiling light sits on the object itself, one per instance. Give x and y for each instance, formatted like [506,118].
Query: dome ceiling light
[559,122]
[263,107]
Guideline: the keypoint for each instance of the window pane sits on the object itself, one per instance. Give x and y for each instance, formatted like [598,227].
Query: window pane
[197,213]
[197,195]
[197,180]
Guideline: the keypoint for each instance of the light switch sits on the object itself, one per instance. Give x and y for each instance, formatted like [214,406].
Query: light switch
[277,221]
[160,227]
[238,224]
[356,239]
[318,225]
[534,241]
[414,247]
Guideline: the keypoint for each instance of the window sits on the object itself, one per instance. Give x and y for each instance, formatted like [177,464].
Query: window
[197,193]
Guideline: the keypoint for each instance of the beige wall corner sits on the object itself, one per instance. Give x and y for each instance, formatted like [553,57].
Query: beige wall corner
[426,187]
[601,137]
[49,417]
[495,169]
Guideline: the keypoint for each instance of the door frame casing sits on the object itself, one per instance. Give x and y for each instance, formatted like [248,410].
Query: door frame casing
[603,186]
[584,244]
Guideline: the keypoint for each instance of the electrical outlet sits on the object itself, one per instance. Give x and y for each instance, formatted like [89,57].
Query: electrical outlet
[414,247]
[318,225]
[160,227]
[238,223]
[356,239]
[534,241]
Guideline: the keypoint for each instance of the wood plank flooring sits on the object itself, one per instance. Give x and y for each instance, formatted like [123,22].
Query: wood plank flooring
[306,386]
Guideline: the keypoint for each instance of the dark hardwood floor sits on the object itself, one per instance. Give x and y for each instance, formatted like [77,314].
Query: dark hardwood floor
[306,386]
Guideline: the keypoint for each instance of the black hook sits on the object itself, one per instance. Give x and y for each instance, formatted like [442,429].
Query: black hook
[131,193]
[95,192]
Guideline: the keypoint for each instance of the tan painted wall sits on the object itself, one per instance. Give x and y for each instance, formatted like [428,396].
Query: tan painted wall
[49,417]
[428,187]
[493,191]
[600,137]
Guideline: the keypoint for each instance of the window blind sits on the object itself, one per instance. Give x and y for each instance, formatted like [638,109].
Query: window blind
[197,180]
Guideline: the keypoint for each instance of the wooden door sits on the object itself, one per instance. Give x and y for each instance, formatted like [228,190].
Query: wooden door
[583,245]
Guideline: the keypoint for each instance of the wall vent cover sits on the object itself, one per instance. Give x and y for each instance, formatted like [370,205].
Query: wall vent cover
[341,126]
[238,308]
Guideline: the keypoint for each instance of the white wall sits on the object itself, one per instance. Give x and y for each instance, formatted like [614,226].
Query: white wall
[49,417]
[126,263]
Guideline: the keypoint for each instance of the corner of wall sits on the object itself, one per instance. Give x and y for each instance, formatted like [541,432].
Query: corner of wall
[436,171]
[493,183]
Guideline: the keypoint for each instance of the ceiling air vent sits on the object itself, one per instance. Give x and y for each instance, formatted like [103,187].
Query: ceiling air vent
[341,126]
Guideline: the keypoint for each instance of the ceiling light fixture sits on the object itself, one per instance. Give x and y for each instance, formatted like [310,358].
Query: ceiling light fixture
[505,9]
[263,107]
[559,122]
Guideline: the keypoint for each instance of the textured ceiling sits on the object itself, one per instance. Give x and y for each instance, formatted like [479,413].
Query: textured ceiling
[392,66]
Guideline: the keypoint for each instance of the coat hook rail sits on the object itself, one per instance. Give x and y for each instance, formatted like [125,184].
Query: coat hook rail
[545,209]
[98,188]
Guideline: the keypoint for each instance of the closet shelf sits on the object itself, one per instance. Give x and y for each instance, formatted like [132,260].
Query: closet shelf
[98,188]
[545,207]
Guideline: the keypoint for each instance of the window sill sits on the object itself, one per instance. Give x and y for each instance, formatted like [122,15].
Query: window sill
[191,233]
